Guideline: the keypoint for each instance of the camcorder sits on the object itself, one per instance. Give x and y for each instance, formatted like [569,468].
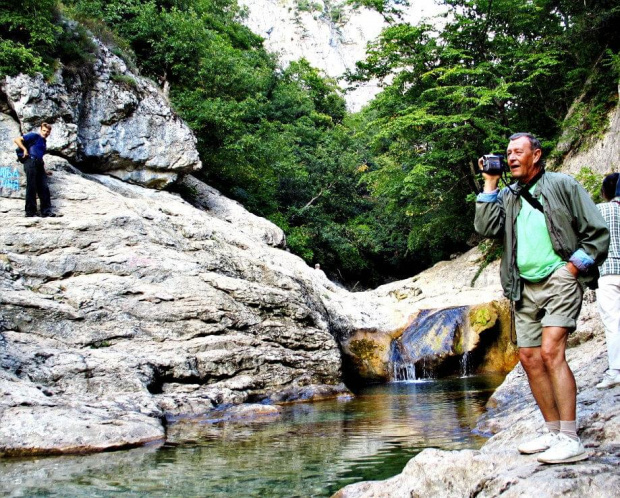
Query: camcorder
[493,164]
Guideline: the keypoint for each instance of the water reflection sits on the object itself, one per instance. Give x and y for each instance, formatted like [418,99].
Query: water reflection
[312,450]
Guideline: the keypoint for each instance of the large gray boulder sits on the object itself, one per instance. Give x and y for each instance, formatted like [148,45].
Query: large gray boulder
[134,306]
[113,122]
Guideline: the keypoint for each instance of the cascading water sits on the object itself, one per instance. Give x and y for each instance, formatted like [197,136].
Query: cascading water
[433,336]
[465,366]
[403,369]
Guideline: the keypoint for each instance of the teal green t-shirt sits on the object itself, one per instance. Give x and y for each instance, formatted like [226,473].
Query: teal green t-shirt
[536,258]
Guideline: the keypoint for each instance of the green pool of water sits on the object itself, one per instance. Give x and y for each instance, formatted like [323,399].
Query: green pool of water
[311,450]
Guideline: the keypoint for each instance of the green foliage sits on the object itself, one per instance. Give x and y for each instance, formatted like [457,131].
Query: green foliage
[592,182]
[35,39]
[613,62]
[125,80]
[27,36]
[308,6]
[16,58]
[495,68]
[389,9]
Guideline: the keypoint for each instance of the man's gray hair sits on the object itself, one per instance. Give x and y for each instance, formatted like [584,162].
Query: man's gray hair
[534,143]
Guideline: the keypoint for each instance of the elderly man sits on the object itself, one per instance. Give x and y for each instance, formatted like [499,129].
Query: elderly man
[553,240]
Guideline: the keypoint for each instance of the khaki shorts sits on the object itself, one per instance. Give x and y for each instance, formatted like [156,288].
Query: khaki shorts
[553,302]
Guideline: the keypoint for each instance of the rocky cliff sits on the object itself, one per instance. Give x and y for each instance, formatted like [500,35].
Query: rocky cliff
[106,120]
[330,34]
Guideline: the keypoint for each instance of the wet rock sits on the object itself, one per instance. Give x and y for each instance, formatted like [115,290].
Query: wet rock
[435,343]
[369,355]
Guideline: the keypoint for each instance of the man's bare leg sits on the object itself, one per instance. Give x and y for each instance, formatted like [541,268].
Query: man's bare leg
[540,382]
[562,379]
[568,447]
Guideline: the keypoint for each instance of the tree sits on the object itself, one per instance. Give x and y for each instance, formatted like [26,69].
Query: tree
[28,35]
[452,95]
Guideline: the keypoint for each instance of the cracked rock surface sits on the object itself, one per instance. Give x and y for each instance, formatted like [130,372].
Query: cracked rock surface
[134,306]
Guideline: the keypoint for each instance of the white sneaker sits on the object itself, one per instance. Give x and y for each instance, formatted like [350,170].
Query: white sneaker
[541,443]
[566,450]
[610,379]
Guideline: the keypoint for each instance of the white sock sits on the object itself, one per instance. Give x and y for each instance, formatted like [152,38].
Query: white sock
[553,427]
[569,428]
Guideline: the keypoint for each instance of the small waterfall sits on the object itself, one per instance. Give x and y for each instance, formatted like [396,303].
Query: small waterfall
[465,364]
[403,372]
[427,342]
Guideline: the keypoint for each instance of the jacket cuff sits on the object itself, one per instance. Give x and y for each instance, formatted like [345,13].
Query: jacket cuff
[581,260]
[487,196]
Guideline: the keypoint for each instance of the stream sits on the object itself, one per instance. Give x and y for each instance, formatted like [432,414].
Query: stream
[312,449]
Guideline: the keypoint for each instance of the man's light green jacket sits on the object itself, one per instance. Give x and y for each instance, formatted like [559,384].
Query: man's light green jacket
[578,231]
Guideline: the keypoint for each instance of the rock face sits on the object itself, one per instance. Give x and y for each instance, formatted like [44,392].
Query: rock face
[498,468]
[331,35]
[602,156]
[135,306]
[112,122]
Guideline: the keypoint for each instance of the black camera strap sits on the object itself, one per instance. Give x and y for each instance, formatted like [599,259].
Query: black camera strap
[524,192]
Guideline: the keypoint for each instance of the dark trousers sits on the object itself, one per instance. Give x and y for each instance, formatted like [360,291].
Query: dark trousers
[36,184]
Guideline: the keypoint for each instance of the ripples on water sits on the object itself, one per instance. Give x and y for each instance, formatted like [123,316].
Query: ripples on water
[312,450]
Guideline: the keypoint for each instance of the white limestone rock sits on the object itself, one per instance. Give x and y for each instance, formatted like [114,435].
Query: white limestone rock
[137,306]
[118,123]
[332,36]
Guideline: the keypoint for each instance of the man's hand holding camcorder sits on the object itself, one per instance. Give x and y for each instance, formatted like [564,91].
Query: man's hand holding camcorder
[490,180]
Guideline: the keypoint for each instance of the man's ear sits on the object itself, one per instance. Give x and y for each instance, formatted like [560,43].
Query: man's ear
[537,155]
